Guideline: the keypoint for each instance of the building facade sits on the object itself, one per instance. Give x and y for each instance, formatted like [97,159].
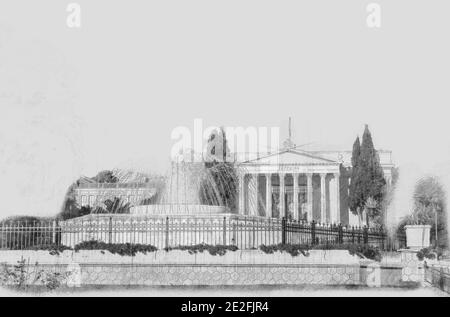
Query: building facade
[95,194]
[302,185]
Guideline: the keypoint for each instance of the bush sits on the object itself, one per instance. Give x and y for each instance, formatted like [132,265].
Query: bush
[20,277]
[366,251]
[116,248]
[361,250]
[430,253]
[292,249]
[212,249]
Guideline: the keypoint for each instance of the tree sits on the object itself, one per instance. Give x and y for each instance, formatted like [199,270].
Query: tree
[354,195]
[219,183]
[367,184]
[114,206]
[71,210]
[429,208]
[105,177]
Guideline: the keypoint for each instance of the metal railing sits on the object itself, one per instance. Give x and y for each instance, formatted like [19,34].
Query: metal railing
[245,232]
[438,276]
[313,233]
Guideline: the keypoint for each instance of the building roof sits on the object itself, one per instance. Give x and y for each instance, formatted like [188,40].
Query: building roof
[291,156]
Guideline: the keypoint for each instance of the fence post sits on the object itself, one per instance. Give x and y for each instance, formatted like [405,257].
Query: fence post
[283,230]
[167,232]
[224,230]
[110,230]
[313,232]
[3,237]
[365,235]
[54,232]
[340,234]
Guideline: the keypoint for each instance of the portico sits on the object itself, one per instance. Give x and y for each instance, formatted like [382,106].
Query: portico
[293,184]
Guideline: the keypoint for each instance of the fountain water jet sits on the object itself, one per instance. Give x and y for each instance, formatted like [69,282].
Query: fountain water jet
[181,195]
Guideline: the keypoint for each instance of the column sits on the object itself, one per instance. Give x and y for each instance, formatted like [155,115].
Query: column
[337,217]
[295,177]
[255,197]
[388,179]
[282,200]
[269,195]
[241,210]
[323,198]
[309,193]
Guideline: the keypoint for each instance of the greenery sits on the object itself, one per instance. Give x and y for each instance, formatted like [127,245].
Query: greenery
[105,177]
[430,253]
[53,280]
[361,250]
[212,249]
[114,206]
[24,220]
[116,248]
[367,184]
[365,251]
[219,185]
[429,203]
[18,276]
[128,249]
[292,249]
[71,210]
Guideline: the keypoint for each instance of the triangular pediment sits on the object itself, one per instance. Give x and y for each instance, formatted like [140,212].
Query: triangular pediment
[291,157]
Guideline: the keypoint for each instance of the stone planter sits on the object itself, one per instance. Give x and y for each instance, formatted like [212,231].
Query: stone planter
[417,236]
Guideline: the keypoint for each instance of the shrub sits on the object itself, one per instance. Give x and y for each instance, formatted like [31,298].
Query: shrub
[292,249]
[18,276]
[429,253]
[116,248]
[212,249]
[366,251]
[361,250]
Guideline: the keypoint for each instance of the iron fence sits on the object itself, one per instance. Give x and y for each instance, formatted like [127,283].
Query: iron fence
[17,235]
[245,232]
[313,233]
[166,232]
[438,276]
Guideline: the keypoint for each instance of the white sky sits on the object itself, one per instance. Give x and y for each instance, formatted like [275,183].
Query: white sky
[75,101]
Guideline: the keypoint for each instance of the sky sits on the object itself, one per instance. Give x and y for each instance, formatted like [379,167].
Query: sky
[76,101]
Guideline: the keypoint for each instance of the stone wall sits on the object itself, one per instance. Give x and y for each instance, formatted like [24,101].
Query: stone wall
[201,275]
[175,268]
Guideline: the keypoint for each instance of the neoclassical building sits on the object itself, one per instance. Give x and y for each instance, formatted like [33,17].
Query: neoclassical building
[308,185]
[94,194]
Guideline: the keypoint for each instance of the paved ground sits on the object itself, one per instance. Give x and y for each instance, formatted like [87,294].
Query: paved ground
[265,291]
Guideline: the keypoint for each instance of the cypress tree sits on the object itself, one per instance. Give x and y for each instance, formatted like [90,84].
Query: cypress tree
[367,179]
[354,194]
[371,167]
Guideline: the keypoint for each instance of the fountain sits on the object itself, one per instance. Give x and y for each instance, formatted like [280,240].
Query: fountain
[185,182]
[189,210]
